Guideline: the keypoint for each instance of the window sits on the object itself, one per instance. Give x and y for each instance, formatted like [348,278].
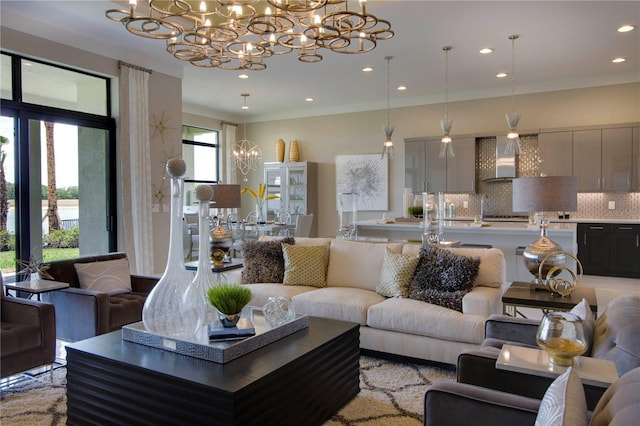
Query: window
[201,153]
[57,174]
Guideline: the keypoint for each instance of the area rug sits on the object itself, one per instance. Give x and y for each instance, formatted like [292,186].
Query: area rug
[391,393]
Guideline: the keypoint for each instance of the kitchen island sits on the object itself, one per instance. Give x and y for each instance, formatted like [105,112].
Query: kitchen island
[507,236]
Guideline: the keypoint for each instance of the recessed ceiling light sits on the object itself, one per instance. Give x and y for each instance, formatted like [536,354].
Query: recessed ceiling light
[626,28]
[486,50]
[243,76]
[367,69]
[402,87]
[309,99]
[501,75]
[618,60]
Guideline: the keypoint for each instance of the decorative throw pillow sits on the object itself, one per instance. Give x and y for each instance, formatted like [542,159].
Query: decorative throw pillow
[305,265]
[443,277]
[108,276]
[583,310]
[564,402]
[396,275]
[263,261]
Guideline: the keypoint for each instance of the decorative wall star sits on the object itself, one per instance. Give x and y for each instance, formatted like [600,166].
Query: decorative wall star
[161,126]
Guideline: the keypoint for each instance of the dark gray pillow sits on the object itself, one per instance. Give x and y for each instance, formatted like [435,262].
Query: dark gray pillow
[443,277]
[263,261]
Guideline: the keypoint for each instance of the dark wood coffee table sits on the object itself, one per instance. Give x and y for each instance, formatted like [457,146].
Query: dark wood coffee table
[303,378]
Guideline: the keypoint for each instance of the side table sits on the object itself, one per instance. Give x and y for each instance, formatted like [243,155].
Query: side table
[592,371]
[36,287]
[218,271]
[521,294]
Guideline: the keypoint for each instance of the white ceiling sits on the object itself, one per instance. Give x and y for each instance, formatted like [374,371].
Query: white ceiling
[562,45]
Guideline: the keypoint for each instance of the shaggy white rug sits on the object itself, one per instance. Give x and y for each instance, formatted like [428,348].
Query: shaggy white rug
[391,393]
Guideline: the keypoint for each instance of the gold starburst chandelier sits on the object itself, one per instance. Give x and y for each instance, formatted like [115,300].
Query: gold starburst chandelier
[241,34]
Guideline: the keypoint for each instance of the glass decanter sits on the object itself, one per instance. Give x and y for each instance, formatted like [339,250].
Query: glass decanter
[174,307]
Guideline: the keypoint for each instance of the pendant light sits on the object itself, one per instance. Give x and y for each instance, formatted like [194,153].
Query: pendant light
[387,147]
[246,154]
[446,144]
[513,138]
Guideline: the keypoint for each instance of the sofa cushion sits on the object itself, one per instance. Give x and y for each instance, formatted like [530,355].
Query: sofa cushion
[491,273]
[263,261]
[261,292]
[424,319]
[305,265]
[564,402]
[397,273]
[125,309]
[340,303]
[107,276]
[357,264]
[443,277]
[583,311]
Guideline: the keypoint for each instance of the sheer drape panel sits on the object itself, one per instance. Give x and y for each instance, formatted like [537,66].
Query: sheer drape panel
[136,168]
[228,172]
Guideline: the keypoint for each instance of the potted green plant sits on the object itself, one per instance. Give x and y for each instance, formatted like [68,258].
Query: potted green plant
[415,211]
[229,299]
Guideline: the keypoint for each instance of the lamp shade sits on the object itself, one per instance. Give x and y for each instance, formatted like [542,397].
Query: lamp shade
[544,194]
[226,196]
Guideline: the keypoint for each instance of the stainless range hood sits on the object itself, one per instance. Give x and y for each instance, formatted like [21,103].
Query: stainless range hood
[505,163]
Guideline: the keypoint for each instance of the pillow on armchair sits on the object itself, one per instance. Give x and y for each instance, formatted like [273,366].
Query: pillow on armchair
[109,276]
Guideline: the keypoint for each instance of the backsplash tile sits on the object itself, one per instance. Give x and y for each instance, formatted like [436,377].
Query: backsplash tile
[499,194]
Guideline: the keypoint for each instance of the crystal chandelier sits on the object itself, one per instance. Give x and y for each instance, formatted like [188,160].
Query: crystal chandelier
[246,154]
[446,144]
[513,138]
[387,147]
[241,34]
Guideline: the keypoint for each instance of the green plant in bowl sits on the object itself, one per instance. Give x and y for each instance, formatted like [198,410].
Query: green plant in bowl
[229,299]
[415,211]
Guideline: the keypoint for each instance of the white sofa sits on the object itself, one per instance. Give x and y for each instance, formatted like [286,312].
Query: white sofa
[398,326]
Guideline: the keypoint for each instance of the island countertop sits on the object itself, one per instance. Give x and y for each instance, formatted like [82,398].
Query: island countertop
[509,237]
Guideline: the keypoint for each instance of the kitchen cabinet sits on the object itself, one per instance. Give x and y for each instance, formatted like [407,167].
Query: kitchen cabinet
[555,151]
[295,184]
[635,162]
[609,249]
[426,171]
[602,159]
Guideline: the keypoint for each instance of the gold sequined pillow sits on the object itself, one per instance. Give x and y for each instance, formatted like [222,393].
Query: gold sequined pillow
[396,275]
[305,265]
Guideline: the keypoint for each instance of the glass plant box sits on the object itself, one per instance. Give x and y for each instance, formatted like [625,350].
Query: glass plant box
[216,351]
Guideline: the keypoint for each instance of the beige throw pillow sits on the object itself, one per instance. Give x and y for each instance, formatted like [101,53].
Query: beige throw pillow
[108,276]
[396,275]
[564,403]
[305,265]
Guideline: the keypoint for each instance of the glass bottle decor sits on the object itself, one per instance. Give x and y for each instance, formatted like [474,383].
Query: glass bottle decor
[174,308]
[204,278]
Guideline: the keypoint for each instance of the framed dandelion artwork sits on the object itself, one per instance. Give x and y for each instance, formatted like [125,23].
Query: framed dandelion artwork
[368,175]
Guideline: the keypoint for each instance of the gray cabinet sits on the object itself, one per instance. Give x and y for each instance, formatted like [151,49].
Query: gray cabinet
[555,151]
[587,146]
[602,159]
[296,186]
[635,162]
[426,171]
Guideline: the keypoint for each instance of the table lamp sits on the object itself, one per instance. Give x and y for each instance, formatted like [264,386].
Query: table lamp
[544,194]
[225,196]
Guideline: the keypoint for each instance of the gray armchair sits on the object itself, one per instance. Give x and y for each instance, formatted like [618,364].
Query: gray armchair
[82,313]
[616,337]
[27,334]
[453,404]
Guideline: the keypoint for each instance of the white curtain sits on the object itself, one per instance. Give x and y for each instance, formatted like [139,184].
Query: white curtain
[228,172]
[136,168]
